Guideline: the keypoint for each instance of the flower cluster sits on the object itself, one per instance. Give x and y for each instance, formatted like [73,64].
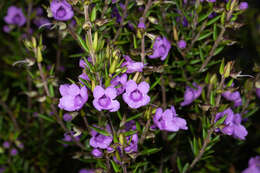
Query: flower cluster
[232,125]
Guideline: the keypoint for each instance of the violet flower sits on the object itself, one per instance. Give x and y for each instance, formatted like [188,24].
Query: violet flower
[97,153]
[119,82]
[136,95]
[116,14]
[73,97]
[42,22]
[15,16]
[253,165]
[232,124]
[61,10]
[257,92]
[6,144]
[86,171]
[6,29]
[100,141]
[161,48]
[191,94]
[168,120]
[132,142]
[141,23]
[67,117]
[132,66]
[234,97]
[13,152]
[104,99]
[243,5]
[181,44]
[84,76]
[83,64]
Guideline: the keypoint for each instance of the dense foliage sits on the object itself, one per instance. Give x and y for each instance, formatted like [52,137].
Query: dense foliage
[129,86]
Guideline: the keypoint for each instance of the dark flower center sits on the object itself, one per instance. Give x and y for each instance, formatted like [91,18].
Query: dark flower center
[104,101]
[162,49]
[61,12]
[136,95]
[78,100]
[16,19]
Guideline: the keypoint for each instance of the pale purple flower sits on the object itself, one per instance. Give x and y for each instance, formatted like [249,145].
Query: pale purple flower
[253,165]
[86,171]
[130,125]
[136,95]
[104,99]
[116,14]
[234,97]
[100,141]
[132,144]
[15,16]
[119,83]
[68,138]
[243,5]
[73,97]
[211,0]
[168,120]
[191,94]
[132,66]
[257,92]
[141,23]
[67,117]
[83,64]
[6,144]
[61,10]
[232,124]
[182,44]
[97,153]
[13,152]
[6,28]
[84,76]
[161,48]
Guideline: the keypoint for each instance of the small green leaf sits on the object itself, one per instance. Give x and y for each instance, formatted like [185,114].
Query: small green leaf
[101,131]
[115,166]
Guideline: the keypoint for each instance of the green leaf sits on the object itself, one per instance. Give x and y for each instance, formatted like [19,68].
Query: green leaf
[115,166]
[46,118]
[222,66]
[93,14]
[150,151]
[215,19]
[221,120]
[101,131]
[82,43]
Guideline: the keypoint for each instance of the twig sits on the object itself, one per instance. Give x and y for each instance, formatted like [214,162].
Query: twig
[58,54]
[212,51]
[121,22]
[10,113]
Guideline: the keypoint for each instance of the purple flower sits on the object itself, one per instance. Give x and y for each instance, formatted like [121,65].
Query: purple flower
[119,82]
[141,23]
[132,66]
[132,142]
[100,141]
[182,44]
[234,97]
[257,92]
[243,5]
[6,144]
[136,95]
[67,117]
[13,152]
[68,138]
[73,97]
[42,22]
[232,124]
[97,153]
[6,28]
[211,0]
[15,16]
[116,14]
[130,125]
[161,48]
[168,120]
[253,165]
[83,64]
[84,76]
[86,171]
[114,1]
[61,10]
[191,94]
[103,99]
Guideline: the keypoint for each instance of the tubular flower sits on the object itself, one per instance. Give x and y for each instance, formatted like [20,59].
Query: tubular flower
[136,95]
[73,97]
[161,48]
[104,99]
[61,10]
[15,16]
[191,94]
